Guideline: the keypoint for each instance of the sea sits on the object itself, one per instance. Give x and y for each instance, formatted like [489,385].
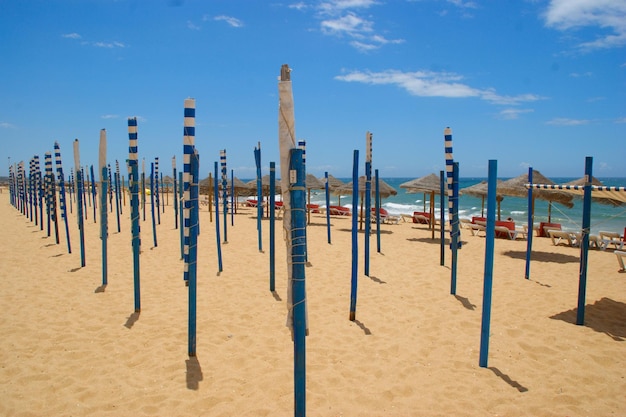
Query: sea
[603,217]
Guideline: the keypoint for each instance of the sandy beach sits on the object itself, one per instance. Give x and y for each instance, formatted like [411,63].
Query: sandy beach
[69,347]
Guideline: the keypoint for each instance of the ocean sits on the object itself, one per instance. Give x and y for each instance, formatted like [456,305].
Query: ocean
[603,217]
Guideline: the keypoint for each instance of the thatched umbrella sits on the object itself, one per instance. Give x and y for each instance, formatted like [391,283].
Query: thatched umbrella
[428,184]
[480,191]
[312,183]
[595,181]
[333,184]
[516,187]
[385,191]
[265,188]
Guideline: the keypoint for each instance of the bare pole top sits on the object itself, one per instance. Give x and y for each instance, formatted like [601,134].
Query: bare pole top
[285,73]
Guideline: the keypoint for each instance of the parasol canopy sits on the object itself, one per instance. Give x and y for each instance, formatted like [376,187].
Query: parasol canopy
[516,187]
[385,189]
[426,184]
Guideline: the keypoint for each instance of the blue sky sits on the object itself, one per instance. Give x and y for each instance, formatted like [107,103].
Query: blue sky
[538,83]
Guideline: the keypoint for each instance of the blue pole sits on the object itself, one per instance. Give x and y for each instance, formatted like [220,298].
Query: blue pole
[181,215]
[217,220]
[79,202]
[93,191]
[189,148]
[584,247]
[103,204]
[489,248]
[355,226]
[272,227]
[327,206]
[454,226]
[232,198]
[531,225]
[117,201]
[175,198]
[134,206]
[368,215]
[193,251]
[377,210]
[118,186]
[143,188]
[442,219]
[157,194]
[259,192]
[154,233]
[298,257]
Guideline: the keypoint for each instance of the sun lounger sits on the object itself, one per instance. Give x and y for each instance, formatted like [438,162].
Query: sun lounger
[620,259]
[476,228]
[506,232]
[559,236]
[611,238]
[339,211]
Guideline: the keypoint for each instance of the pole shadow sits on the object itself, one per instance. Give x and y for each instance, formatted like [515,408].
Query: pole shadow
[194,373]
[276,296]
[603,316]
[131,320]
[100,289]
[508,379]
[466,302]
[378,280]
[362,326]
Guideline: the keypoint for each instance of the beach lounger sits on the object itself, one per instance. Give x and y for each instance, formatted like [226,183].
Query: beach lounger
[476,228]
[505,231]
[559,236]
[611,238]
[620,259]
[339,211]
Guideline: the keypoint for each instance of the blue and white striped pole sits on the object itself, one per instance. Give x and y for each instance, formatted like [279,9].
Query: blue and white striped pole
[143,188]
[133,164]
[189,133]
[224,192]
[62,196]
[368,201]
[157,194]
[79,201]
[52,195]
[175,198]
[452,176]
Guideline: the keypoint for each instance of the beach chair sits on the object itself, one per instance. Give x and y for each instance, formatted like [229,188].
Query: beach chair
[611,238]
[559,236]
[505,231]
[339,211]
[477,227]
[620,259]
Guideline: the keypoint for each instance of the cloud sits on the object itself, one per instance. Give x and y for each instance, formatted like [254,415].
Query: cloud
[334,6]
[298,6]
[563,121]
[6,125]
[232,21]
[433,84]
[512,114]
[109,45]
[109,116]
[579,75]
[349,24]
[463,4]
[608,15]
[71,35]
[620,120]
[192,26]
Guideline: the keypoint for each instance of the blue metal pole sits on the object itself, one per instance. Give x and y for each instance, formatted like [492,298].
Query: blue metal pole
[272,227]
[117,201]
[377,210]
[442,219]
[355,241]
[133,163]
[489,249]
[584,247]
[327,206]
[531,225]
[232,198]
[193,252]
[217,220]
[181,215]
[143,188]
[157,194]
[104,232]
[175,198]
[454,226]
[368,215]
[298,257]
[259,192]
[93,191]
[154,233]
[79,202]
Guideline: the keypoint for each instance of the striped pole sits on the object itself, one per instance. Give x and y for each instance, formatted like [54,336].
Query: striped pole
[189,133]
[368,200]
[452,176]
[111,187]
[30,188]
[143,188]
[62,199]
[104,182]
[118,185]
[180,215]
[48,187]
[175,198]
[94,191]
[157,194]
[71,189]
[233,205]
[327,206]
[118,209]
[224,192]
[133,147]
[79,201]
[52,195]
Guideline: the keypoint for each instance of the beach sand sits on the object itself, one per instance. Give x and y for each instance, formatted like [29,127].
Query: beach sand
[68,347]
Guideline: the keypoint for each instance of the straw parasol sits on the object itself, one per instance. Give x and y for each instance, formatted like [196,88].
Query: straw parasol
[480,191]
[516,187]
[385,190]
[333,184]
[312,183]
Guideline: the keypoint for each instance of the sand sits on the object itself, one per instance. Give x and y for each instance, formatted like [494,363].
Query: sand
[69,347]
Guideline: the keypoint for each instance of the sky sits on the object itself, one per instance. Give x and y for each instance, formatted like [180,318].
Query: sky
[538,83]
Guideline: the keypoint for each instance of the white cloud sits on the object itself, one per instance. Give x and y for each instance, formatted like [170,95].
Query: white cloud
[579,75]
[464,4]
[232,21]
[109,45]
[563,121]
[6,125]
[349,24]
[192,26]
[620,120]
[512,114]
[109,116]
[298,6]
[433,84]
[608,15]
[338,5]
[71,35]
